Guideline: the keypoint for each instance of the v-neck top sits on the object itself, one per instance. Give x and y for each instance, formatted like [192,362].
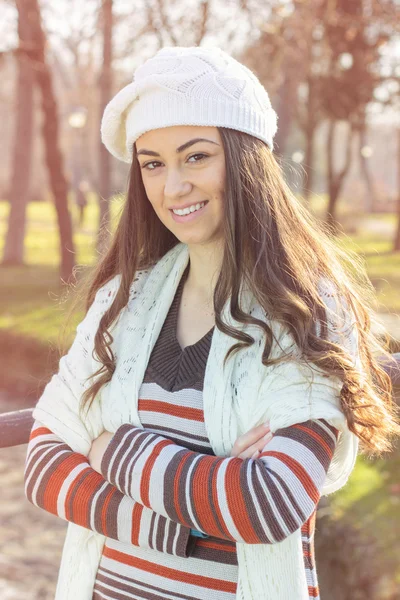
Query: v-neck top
[174,367]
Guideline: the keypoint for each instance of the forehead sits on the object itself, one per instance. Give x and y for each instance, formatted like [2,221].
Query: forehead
[175,135]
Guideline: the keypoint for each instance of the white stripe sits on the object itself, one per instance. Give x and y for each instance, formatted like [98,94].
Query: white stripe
[196,525]
[65,487]
[93,505]
[46,466]
[155,527]
[293,483]
[144,529]
[175,540]
[33,450]
[222,500]
[140,456]
[288,501]
[256,502]
[328,431]
[272,506]
[188,398]
[167,535]
[157,475]
[124,520]
[120,445]
[300,453]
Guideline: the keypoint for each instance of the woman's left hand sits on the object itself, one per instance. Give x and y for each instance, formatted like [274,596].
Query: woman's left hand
[97,450]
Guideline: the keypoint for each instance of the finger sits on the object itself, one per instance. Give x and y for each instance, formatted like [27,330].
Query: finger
[254,434]
[264,441]
[257,447]
[250,450]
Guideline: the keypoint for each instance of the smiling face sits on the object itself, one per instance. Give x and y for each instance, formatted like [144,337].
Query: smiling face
[178,172]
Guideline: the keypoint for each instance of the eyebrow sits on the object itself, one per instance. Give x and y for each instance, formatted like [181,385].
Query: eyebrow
[180,149]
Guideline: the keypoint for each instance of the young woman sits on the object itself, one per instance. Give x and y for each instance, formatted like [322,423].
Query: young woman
[182,489]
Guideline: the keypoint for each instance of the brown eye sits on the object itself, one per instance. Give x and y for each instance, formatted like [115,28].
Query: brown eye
[156,162]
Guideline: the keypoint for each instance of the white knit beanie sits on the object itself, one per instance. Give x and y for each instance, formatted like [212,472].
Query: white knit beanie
[187,86]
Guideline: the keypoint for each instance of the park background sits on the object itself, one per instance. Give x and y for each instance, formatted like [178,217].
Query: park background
[332,70]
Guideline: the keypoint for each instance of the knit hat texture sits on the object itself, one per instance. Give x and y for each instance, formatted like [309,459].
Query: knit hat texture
[187,86]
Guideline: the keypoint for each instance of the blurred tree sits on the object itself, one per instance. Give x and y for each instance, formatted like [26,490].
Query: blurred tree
[348,84]
[22,152]
[50,130]
[323,65]
[105,81]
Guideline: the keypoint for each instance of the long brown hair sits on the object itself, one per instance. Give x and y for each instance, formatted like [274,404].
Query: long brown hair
[281,250]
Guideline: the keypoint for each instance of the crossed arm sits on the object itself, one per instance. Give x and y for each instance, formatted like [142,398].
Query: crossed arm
[255,501]
[63,483]
[152,491]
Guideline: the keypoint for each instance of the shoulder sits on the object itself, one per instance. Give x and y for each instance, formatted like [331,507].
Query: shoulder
[102,301]
[340,315]
[340,318]
[106,293]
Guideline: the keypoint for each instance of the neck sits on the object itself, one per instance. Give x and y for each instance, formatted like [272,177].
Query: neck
[204,267]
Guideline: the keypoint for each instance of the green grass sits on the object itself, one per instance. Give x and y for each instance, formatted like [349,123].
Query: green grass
[32,302]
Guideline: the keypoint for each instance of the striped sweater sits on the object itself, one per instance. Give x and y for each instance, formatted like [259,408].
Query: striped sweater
[162,480]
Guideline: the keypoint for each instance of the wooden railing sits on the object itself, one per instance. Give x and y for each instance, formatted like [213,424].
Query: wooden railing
[15,426]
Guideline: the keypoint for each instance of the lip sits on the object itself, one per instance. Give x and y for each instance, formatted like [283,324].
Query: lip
[189,217]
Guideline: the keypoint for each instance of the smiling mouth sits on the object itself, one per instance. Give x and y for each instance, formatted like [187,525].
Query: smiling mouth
[185,215]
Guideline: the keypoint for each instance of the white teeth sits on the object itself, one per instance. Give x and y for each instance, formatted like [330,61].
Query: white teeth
[189,209]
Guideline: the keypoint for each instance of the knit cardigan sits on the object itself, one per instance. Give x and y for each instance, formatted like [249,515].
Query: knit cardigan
[236,399]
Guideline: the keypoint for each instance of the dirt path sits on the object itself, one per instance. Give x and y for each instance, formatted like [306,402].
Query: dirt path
[31,539]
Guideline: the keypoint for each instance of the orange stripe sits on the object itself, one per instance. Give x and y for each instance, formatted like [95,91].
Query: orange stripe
[236,504]
[177,487]
[216,503]
[40,431]
[136,518]
[298,470]
[313,592]
[68,496]
[146,472]
[57,479]
[316,436]
[185,412]
[214,546]
[200,491]
[82,498]
[206,582]
[104,510]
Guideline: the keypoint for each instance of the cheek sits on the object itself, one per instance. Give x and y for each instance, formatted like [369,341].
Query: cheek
[153,195]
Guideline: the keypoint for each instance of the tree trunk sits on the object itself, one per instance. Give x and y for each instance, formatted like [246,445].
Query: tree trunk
[104,232]
[370,193]
[287,98]
[23,139]
[336,179]
[309,130]
[54,159]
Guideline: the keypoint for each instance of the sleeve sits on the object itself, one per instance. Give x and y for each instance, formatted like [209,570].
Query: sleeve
[255,501]
[63,483]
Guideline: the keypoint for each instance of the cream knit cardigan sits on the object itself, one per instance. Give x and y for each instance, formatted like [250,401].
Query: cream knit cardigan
[242,397]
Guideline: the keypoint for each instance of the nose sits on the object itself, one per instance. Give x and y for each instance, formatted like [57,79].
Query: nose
[175,186]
